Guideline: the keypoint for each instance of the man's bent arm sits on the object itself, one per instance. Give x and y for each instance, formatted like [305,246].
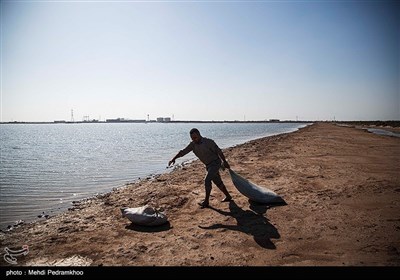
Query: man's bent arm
[221,155]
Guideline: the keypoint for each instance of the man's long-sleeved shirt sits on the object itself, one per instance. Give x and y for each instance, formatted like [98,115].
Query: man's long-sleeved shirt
[207,150]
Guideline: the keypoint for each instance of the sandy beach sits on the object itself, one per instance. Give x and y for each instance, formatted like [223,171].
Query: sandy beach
[341,186]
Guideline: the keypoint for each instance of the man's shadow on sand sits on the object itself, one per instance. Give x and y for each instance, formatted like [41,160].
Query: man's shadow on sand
[164,227]
[251,222]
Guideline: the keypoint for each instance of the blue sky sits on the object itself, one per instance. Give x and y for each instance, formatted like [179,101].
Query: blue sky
[311,60]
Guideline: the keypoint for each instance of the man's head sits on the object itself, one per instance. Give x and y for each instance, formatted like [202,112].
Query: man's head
[195,135]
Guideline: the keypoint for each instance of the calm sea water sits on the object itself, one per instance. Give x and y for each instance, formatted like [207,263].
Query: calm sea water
[43,167]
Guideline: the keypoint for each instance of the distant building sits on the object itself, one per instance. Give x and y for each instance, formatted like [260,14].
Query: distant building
[119,120]
[138,121]
[115,120]
[160,119]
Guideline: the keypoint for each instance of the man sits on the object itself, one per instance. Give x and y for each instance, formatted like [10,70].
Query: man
[211,155]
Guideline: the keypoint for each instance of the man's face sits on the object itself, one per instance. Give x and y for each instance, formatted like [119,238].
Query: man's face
[195,137]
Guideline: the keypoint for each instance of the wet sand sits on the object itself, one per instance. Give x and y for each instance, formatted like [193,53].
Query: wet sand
[341,186]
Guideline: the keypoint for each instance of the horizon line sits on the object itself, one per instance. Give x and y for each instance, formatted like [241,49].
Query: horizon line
[121,120]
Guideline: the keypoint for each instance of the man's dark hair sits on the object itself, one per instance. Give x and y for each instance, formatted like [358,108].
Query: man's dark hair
[194,130]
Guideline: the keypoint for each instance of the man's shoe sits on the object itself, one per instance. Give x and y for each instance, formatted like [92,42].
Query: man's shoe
[203,204]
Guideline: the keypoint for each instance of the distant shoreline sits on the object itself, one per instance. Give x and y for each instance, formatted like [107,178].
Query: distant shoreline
[391,123]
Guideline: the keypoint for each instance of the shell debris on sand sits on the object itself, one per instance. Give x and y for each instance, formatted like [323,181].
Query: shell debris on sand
[75,260]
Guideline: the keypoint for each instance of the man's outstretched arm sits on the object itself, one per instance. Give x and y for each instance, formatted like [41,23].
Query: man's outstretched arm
[178,155]
[181,153]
